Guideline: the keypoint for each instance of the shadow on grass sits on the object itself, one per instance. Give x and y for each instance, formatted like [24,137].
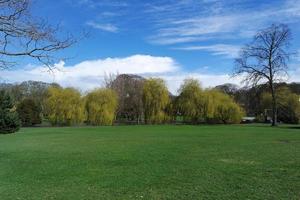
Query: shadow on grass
[292,127]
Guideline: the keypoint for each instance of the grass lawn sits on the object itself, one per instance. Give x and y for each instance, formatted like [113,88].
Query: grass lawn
[151,162]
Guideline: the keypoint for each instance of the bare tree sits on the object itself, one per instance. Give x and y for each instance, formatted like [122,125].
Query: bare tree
[265,59]
[23,35]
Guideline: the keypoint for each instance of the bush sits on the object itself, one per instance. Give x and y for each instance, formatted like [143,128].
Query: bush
[9,120]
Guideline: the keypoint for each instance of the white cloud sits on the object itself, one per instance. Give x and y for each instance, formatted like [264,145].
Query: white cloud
[104,27]
[90,74]
[230,51]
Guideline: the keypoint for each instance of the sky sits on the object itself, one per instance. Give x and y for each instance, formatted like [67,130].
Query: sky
[171,39]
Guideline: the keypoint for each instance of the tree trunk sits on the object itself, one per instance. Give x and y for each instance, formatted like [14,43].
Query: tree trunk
[274,106]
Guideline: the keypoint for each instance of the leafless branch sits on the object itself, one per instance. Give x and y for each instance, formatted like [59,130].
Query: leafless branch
[22,35]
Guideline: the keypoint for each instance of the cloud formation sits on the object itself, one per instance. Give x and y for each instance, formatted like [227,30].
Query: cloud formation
[104,27]
[192,21]
[229,51]
[90,74]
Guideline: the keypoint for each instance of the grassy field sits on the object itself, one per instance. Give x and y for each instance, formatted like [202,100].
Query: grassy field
[151,162]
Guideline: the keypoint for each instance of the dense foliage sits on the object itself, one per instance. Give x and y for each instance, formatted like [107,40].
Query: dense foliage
[288,110]
[9,121]
[64,106]
[207,106]
[256,100]
[101,106]
[29,112]
[132,99]
[156,99]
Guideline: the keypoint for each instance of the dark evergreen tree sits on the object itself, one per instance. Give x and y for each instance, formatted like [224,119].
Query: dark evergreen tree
[29,112]
[9,120]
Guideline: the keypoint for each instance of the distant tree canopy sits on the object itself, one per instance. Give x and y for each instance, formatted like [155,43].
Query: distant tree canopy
[9,121]
[29,112]
[155,99]
[64,106]
[101,106]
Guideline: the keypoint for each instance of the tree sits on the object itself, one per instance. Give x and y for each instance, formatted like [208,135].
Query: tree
[29,112]
[23,35]
[64,106]
[266,59]
[9,121]
[222,108]
[191,101]
[288,105]
[129,89]
[155,99]
[101,106]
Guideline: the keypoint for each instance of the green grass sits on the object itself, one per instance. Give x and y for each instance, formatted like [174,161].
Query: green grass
[151,162]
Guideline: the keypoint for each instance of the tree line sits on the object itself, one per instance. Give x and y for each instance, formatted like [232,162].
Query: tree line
[131,99]
[142,101]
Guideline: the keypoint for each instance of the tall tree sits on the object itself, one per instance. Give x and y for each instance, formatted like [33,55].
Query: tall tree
[191,100]
[23,35]
[156,99]
[265,58]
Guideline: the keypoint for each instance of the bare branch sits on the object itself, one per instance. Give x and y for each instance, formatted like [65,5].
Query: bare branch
[22,35]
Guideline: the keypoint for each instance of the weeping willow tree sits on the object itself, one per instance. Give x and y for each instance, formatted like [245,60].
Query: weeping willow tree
[64,106]
[191,101]
[221,108]
[155,99]
[101,106]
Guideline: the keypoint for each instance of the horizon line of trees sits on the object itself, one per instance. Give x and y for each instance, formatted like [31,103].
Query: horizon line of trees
[142,101]
[132,99]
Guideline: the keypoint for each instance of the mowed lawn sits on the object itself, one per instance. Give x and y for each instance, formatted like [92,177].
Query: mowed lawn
[151,162]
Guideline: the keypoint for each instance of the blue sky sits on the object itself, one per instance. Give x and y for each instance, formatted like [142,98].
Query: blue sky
[172,39]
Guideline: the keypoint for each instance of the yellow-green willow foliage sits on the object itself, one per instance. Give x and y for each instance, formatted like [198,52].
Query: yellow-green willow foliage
[155,99]
[64,106]
[191,101]
[101,106]
[221,108]
[288,105]
[206,106]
